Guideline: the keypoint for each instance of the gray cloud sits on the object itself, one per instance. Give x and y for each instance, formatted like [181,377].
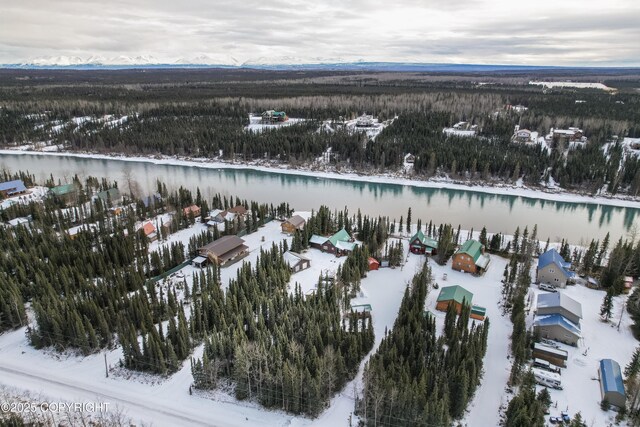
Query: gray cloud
[575,32]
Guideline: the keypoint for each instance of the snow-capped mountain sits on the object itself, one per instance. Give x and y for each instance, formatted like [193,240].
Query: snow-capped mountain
[123,60]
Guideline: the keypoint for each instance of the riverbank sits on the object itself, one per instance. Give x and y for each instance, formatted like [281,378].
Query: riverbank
[393,179]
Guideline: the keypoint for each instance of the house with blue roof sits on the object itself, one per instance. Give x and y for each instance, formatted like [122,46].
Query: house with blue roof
[612,383]
[557,327]
[553,269]
[12,188]
[558,318]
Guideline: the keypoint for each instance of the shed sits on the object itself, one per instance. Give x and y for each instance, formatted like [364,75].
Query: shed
[553,355]
[373,264]
[199,261]
[453,295]
[477,312]
[611,383]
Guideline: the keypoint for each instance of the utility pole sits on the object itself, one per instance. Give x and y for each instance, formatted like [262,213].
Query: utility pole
[106,369]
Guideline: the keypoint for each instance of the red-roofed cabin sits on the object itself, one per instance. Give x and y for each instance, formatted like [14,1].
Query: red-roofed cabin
[150,231]
[373,264]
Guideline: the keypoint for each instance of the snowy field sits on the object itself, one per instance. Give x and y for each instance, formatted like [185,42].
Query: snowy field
[575,85]
[256,125]
[502,189]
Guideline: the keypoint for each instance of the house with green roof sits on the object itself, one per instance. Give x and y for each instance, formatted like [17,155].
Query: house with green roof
[421,244]
[111,195]
[453,295]
[471,258]
[66,193]
[339,244]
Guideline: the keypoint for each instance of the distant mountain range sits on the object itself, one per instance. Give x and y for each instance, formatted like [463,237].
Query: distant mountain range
[266,63]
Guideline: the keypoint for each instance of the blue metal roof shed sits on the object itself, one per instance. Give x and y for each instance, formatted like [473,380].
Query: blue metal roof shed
[611,383]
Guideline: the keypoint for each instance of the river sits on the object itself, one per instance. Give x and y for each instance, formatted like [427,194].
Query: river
[577,222]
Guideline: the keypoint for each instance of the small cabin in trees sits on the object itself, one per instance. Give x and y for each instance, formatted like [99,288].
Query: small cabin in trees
[191,210]
[553,269]
[339,244]
[292,224]
[111,195]
[471,258]
[374,264]
[453,295]
[149,230]
[296,261]
[420,244]
[65,193]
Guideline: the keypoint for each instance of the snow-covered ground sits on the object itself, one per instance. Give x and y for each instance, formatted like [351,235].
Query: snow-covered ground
[459,132]
[256,124]
[575,85]
[600,340]
[167,402]
[553,194]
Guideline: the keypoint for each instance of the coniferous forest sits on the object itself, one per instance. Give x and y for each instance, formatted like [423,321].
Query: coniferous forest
[202,113]
[419,374]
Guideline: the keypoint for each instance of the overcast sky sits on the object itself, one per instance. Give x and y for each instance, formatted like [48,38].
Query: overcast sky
[535,32]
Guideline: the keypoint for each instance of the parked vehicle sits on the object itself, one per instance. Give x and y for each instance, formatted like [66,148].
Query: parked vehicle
[550,343]
[543,364]
[547,379]
[547,287]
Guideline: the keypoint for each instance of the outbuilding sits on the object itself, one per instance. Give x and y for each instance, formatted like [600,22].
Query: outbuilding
[296,261]
[374,264]
[557,356]
[557,327]
[292,224]
[453,295]
[611,383]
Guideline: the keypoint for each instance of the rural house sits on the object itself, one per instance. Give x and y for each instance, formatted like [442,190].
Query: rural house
[559,303]
[420,244]
[111,195]
[296,261]
[292,224]
[12,188]
[65,193]
[149,230]
[558,318]
[611,383]
[224,250]
[553,269]
[338,244]
[453,295]
[471,258]
[191,210]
